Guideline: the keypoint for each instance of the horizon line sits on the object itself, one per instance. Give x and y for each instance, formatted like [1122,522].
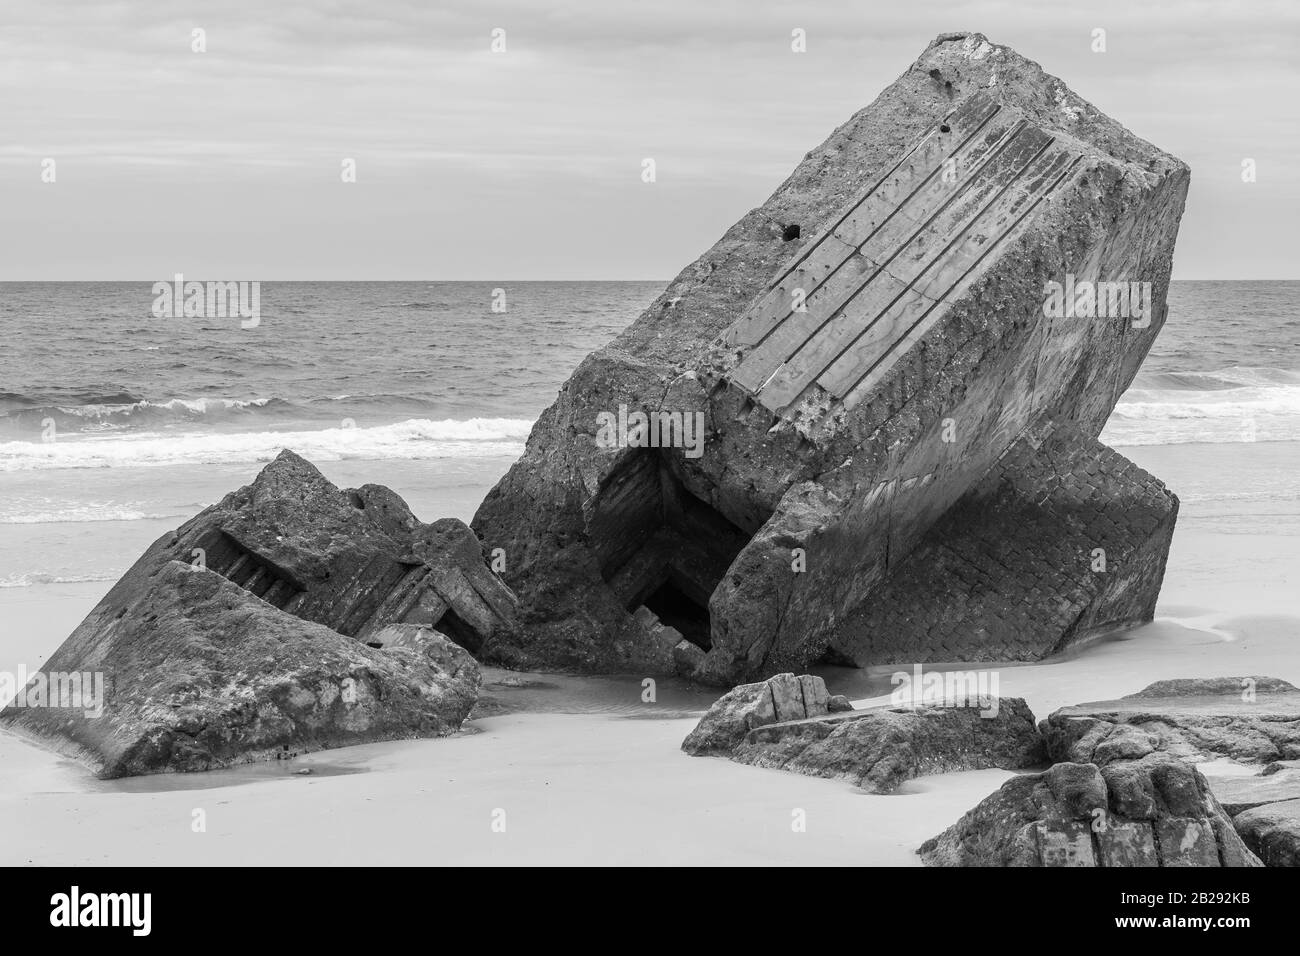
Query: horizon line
[485,280]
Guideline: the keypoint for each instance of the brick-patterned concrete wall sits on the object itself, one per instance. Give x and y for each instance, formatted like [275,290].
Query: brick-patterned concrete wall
[1008,573]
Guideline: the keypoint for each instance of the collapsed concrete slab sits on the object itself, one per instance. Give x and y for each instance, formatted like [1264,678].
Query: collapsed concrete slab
[199,674]
[354,560]
[931,319]
[1063,541]
[289,616]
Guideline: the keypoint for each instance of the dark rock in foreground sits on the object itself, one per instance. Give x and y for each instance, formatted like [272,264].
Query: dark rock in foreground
[869,437]
[289,616]
[1247,719]
[791,723]
[200,674]
[1155,810]
[1125,793]
[1272,832]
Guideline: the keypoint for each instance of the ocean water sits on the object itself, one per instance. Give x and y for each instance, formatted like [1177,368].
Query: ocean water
[116,425]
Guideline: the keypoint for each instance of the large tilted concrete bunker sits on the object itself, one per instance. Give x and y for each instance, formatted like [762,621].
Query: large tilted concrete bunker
[901,363]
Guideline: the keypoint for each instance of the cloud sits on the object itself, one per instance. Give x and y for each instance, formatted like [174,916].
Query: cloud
[585,91]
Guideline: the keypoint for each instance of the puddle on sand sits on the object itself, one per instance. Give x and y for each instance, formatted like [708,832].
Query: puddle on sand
[230,777]
[513,692]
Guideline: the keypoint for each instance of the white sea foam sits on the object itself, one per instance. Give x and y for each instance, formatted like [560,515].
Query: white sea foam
[1232,405]
[34,578]
[1247,413]
[197,406]
[414,439]
[83,513]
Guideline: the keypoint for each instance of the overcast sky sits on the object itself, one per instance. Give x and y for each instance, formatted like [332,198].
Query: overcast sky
[527,164]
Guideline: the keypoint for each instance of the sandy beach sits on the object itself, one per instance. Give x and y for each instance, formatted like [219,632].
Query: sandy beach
[583,772]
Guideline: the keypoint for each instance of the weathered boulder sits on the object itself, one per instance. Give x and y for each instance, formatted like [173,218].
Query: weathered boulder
[1247,719]
[352,570]
[199,674]
[791,723]
[860,404]
[1155,810]
[781,698]
[879,749]
[1272,832]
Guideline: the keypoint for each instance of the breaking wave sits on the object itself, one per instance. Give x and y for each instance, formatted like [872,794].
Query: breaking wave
[120,415]
[1230,405]
[34,578]
[414,439]
[84,513]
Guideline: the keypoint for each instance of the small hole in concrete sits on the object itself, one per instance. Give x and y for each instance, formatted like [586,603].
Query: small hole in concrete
[374,644]
[790,232]
[945,128]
